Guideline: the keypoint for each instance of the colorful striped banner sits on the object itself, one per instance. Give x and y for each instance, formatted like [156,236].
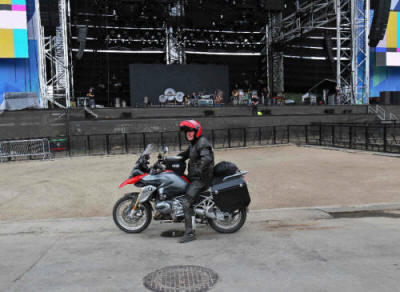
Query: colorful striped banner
[20,43]
[6,43]
[13,29]
[391,31]
[6,7]
[18,7]
[18,2]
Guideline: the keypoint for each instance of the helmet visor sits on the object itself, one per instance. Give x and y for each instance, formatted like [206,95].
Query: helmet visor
[186,129]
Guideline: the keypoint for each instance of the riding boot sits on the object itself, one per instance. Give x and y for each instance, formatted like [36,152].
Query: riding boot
[189,230]
[189,222]
[187,238]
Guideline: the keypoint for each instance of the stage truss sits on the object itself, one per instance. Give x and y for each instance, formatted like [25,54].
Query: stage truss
[54,61]
[352,62]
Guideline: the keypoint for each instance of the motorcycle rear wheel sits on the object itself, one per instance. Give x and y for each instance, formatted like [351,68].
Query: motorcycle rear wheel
[128,224]
[238,219]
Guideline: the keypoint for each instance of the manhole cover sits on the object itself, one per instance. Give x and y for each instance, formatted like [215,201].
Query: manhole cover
[181,279]
[172,233]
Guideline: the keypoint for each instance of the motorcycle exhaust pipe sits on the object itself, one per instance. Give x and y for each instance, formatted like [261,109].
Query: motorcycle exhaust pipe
[204,213]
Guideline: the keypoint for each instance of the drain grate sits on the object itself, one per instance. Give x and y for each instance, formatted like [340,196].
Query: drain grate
[181,279]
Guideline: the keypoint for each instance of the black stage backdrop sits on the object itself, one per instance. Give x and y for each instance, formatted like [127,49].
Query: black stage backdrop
[152,79]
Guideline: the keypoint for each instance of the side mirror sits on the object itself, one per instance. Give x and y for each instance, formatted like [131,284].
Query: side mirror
[165,150]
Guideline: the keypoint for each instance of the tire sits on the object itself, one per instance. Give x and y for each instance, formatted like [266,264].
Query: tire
[122,206]
[219,227]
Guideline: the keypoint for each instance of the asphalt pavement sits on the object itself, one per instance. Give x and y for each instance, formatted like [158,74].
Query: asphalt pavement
[293,249]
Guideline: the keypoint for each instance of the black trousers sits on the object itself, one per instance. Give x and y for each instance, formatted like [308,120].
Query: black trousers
[193,190]
[254,109]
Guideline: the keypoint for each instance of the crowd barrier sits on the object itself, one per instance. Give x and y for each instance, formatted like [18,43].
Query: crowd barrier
[24,149]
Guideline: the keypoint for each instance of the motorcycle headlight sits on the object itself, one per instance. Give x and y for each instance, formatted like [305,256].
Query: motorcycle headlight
[147,191]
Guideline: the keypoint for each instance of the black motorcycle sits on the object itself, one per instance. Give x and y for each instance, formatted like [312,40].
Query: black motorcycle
[223,205]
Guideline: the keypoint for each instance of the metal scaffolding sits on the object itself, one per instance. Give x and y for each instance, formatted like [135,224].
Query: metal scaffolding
[309,15]
[54,68]
[344,57]
[352,51]
[174,47]
[277,57]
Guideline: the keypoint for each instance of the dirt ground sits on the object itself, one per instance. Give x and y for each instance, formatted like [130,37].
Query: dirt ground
[282,176]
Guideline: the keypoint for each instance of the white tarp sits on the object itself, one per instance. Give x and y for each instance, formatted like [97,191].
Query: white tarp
[18,100]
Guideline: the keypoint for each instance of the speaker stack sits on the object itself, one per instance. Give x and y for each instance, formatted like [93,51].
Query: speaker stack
[390,97]
[329,51]
[82,34]
[379,22]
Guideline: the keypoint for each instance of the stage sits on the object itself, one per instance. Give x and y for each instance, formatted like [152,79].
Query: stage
[54,123]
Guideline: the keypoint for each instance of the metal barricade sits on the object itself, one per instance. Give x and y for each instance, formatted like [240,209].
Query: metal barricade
[31,149]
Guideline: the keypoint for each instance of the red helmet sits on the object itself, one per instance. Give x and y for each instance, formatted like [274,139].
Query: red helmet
[191,125]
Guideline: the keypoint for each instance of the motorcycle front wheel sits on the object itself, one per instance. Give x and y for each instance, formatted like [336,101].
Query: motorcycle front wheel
[231,225]
[131,221]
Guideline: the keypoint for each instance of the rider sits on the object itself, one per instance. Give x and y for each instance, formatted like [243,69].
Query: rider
[200,171]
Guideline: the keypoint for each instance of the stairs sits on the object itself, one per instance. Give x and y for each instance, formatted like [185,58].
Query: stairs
[382,115]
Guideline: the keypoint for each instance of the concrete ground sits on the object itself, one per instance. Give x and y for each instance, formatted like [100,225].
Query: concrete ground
[91,254]
[281,176]
[295,248]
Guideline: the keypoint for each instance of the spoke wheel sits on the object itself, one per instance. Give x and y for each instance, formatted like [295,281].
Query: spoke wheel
[129,220]
[231,224]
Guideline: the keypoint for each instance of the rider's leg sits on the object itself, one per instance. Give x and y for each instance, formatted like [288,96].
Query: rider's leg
[192,191]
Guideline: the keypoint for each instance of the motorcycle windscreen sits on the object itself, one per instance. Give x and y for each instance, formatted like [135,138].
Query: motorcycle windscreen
[231,195]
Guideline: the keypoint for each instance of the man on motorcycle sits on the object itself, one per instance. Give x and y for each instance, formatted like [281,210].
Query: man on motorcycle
[200,171]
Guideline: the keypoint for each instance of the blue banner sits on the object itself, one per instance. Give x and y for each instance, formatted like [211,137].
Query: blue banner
[22,75]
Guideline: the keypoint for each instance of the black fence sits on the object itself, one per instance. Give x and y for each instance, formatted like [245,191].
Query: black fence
[375,137]
[101,144]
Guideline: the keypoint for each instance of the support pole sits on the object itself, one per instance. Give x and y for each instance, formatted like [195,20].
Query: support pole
[63,24]
[338,46]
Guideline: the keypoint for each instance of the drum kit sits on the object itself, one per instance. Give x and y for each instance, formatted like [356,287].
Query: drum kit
[171,96]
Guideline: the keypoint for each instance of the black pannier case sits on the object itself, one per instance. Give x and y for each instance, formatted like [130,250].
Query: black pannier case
[231,195]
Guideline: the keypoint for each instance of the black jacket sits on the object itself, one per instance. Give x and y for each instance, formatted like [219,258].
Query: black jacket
[201,160]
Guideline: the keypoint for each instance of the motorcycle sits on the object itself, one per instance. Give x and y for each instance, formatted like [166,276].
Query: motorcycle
[223,206]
